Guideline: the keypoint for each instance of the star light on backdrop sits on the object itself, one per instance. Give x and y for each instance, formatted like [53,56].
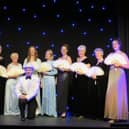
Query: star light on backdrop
[46,24]
[62,20]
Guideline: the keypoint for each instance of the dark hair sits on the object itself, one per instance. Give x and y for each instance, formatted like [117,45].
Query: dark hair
[66,45]
[118,40]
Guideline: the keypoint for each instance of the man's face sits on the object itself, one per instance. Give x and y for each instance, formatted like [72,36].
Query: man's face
[28,71]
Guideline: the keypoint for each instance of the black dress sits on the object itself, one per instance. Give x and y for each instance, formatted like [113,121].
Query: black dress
[2,89]
[63,83]
[80,105]
[97,93]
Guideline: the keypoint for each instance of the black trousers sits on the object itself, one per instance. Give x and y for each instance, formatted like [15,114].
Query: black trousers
[31,107]
[2,94]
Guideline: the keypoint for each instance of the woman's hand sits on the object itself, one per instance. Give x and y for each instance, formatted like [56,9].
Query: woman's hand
[80,72]
[22,97]
[63,69]
[117,64]
[94,77]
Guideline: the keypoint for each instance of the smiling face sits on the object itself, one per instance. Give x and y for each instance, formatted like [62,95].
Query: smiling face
[64,50]
[14,57]
[49,55]
[98,55]
[116,45]
[81,52]
[28,71]
[32,51]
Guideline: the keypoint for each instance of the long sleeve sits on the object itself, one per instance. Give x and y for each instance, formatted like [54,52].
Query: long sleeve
[33,90]
[52,72]
[28,87]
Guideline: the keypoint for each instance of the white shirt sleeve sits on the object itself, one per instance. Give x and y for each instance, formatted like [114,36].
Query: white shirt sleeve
[34,89]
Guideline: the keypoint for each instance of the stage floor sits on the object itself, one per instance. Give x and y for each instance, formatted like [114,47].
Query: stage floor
[14,121]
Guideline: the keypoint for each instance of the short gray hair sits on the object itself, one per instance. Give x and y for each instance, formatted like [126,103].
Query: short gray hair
[99,49]
[81,47]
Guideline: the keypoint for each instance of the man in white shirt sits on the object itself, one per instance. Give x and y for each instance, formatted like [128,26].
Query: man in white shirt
[27,89]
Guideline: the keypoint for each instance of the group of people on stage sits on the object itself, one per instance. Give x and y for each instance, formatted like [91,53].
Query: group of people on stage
[94,96]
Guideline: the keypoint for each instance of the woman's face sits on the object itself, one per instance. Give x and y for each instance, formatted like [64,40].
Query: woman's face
[98,55]
[64,50]
[81,52]
[32,51]
[14,58]
[115,45]
[48,55]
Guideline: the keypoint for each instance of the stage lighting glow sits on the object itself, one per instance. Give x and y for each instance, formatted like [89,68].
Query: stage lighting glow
[67,107]
[110,39]
[27,43]
[62,30]
[80,10]
[107,46]
[35,16]
[104,7]
[7,45]
[101,29]
[92,6]
[89,19]
[43,5]
[37,47]
[73,24]
[84,33]
[52,45]
[5,7]
[54,1]
[58,16]
[23,9]
[77,2]
[8,18]
[43,33]
[72,98]
[55,55]
[19,28]
[109,20]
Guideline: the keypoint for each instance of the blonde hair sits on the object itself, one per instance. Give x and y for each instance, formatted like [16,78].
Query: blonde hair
[50,52]
[14,54]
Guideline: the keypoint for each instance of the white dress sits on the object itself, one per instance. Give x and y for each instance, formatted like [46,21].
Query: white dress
[11,101]
[36,64]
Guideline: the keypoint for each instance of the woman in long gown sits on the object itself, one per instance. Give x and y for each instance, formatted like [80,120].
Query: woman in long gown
[49,88]
[33,60]
[99,86]
[11,102]
[63,82]
[116,103]
[81,92]
[2,84]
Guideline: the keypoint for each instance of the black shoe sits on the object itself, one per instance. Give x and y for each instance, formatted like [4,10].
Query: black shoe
[22,118]
[30,118]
